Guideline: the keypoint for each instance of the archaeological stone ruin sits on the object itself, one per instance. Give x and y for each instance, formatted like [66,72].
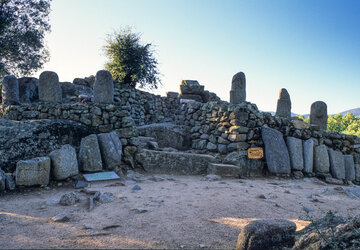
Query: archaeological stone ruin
[55,131]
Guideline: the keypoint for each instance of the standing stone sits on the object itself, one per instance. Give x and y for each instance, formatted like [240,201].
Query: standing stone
[321,159]
[103,87]
[337,164]
[10,90]
[283,108]
[64,162]
[238,88]
[318,114]
[295,148]
[349,167]
[28,89]
[276,152]
[33,172]
[2,180]
[49,87]
[111,149]
[89,154]
[308,155]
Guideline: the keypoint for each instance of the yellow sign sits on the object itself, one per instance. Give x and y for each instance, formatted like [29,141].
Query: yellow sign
[255,153]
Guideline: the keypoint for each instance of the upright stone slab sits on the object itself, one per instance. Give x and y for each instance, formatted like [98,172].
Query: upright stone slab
[33,172]
[308,155]
[295,148]
[276,152]
[103,87]
[321,159]
[349,167]
[337,164]
[89,155]
[111,149]
[283,108]
[49,87]
[238,88]
[28,89]
[64,162]
[10,90]
[318,114]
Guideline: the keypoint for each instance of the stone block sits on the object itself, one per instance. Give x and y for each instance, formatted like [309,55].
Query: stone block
[10,90]
[103,87]
[225,170]
[64,162]
[295,148]
[276,152]
[89,154]
[49,87]
[308,155]
[337,164]
[321,159]
[33,172]
[111,149]
[349,167]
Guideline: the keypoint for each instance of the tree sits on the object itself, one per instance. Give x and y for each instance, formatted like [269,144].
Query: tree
[23,24]
[131,62]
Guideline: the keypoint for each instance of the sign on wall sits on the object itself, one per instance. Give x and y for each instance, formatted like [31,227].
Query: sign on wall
[255,153]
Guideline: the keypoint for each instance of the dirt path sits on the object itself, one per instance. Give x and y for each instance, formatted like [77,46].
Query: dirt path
[186,212]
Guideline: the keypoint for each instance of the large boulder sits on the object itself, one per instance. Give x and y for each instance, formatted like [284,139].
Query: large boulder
[64,162]
[33,172]
[249,167]
[162,162]
[28,139]
[267,234]
[89,154]
[167,135]
[276,152]
[111,149]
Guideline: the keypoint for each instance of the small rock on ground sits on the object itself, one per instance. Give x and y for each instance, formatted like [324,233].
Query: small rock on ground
[63,217]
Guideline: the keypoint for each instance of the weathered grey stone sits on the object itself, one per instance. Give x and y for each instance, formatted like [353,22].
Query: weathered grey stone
[63,217]
[249,167]
[28,89]
[69,199]
[222,148]
[321,159]
[357,172]
[173,162]
[10,182]
[295,148]
[33,172]
[318,114]
[103,87]
[2,180]
[267,234]
[238,88]
[10,90]
[191,87]
[337,164]
[349,167]
[224,170]
[167,135]
[111,149]
[211,146]
[276,152]
[172,95]
[64,162]
[49,87]
[89,155]
[238,146]
[197,98]
[283,108]
[308,155]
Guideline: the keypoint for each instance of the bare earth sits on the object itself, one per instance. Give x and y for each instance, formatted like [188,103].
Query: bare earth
[187,212]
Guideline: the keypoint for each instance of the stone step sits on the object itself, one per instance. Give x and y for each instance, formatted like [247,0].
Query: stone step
[225,170]
[163,162]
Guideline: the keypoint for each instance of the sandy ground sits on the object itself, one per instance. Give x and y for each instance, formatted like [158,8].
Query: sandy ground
[187,212]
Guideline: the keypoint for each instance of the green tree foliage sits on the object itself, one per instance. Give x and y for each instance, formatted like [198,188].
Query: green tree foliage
[347,124]
[129,61]
[23,24]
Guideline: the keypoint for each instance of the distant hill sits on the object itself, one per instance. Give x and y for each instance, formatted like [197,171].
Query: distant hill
[355,111]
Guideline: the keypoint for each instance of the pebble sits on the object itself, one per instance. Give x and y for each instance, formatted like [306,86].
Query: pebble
[212,177]
[89,226]
[263,196]
[106,197]
[307,209]
[308,196]
[80,184]
[69,199]
[159,200]
[139,210]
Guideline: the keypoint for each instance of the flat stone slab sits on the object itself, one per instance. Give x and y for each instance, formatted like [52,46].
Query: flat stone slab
[101,176]
[295,147]
[337,164]
[225,170]
[162,162]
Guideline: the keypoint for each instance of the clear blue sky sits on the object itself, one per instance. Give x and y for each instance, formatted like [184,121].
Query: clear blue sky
[309,47]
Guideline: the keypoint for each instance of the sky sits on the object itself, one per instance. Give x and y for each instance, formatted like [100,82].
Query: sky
[309,47]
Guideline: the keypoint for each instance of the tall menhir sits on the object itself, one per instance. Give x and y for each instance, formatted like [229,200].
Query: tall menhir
[238,88]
